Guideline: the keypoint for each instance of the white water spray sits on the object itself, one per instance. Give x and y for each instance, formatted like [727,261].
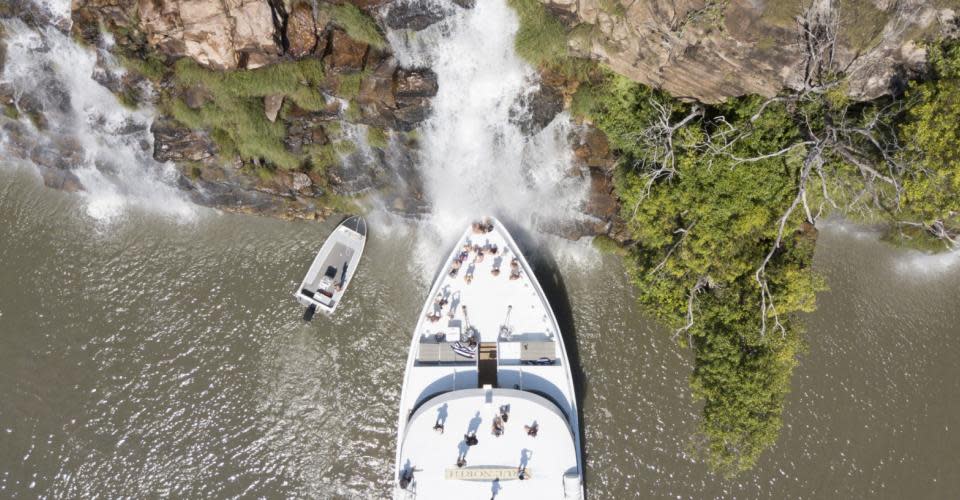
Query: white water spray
[110,147]
[475,158]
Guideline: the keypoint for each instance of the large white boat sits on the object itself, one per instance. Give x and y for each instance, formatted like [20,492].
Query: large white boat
[488,407]
[332,269]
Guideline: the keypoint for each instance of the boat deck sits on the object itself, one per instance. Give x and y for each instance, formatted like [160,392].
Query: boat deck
[338,259]
[487,339]
[488,297]
[493,465]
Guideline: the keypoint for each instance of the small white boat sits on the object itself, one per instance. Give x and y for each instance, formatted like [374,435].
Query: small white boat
[333,268]
[488,407]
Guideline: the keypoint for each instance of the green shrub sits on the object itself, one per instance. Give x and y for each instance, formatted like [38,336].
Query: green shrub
[541,39]
[715,221]
[358,24]
[585,100]
[931,136]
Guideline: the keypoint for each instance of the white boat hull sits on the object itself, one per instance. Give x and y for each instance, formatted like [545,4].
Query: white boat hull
[334,267]
[520,363]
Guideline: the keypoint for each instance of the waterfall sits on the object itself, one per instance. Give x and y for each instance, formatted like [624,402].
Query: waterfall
[87,135]
[475,157]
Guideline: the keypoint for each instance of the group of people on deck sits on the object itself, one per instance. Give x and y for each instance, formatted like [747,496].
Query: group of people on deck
[497,429]
[479,253]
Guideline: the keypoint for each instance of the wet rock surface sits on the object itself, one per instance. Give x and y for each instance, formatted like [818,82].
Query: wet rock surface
[413,15]
[176,143]
[537,109]
[306,129]
[346,54]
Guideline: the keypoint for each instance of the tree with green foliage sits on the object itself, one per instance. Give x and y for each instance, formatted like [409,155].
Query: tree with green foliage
[721,202]
[703,221]
[931,133]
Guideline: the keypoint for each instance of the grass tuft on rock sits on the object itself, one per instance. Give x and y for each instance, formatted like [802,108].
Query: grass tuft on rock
[541,39]
[377,138]
[235,115]
[358,24]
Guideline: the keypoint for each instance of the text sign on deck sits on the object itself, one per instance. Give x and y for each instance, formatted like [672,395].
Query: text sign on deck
[485,473]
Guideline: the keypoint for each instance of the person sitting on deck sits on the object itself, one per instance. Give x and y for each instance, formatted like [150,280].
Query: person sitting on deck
[479,257]
[505,412]
[406,477]
[471,439]
[478,228]
[497,426]
[454,268]
[514,269]
[532,429]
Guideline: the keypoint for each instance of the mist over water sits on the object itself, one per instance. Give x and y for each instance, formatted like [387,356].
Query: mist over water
[106,146]
[475,158]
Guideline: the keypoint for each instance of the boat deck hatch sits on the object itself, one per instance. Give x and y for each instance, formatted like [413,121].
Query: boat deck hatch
[487,365]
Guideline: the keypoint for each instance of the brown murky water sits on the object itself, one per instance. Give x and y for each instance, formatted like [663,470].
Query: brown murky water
[149,357]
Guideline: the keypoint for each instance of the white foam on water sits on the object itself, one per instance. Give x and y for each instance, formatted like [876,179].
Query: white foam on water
[929,265]
[114,163]
[475,160]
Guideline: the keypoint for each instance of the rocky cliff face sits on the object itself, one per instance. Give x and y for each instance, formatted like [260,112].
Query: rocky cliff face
[367,95]
[709,50]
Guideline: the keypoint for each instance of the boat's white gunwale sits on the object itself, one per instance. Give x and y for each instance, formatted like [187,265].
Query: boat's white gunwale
[404,415]
[317,261]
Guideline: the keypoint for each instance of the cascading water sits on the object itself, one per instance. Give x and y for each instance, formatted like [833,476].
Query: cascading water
[475,157]
[80,132]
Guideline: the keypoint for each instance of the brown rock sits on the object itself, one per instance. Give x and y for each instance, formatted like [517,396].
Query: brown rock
[63,180]
[413,15]
[300,181]
[306,128]
[173,142]
[376,97]
[415,83]
[272,105]
[537,109]
[602,202]
[709,51]
[593,150]
[346,54]
[213,32]
[301,30]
